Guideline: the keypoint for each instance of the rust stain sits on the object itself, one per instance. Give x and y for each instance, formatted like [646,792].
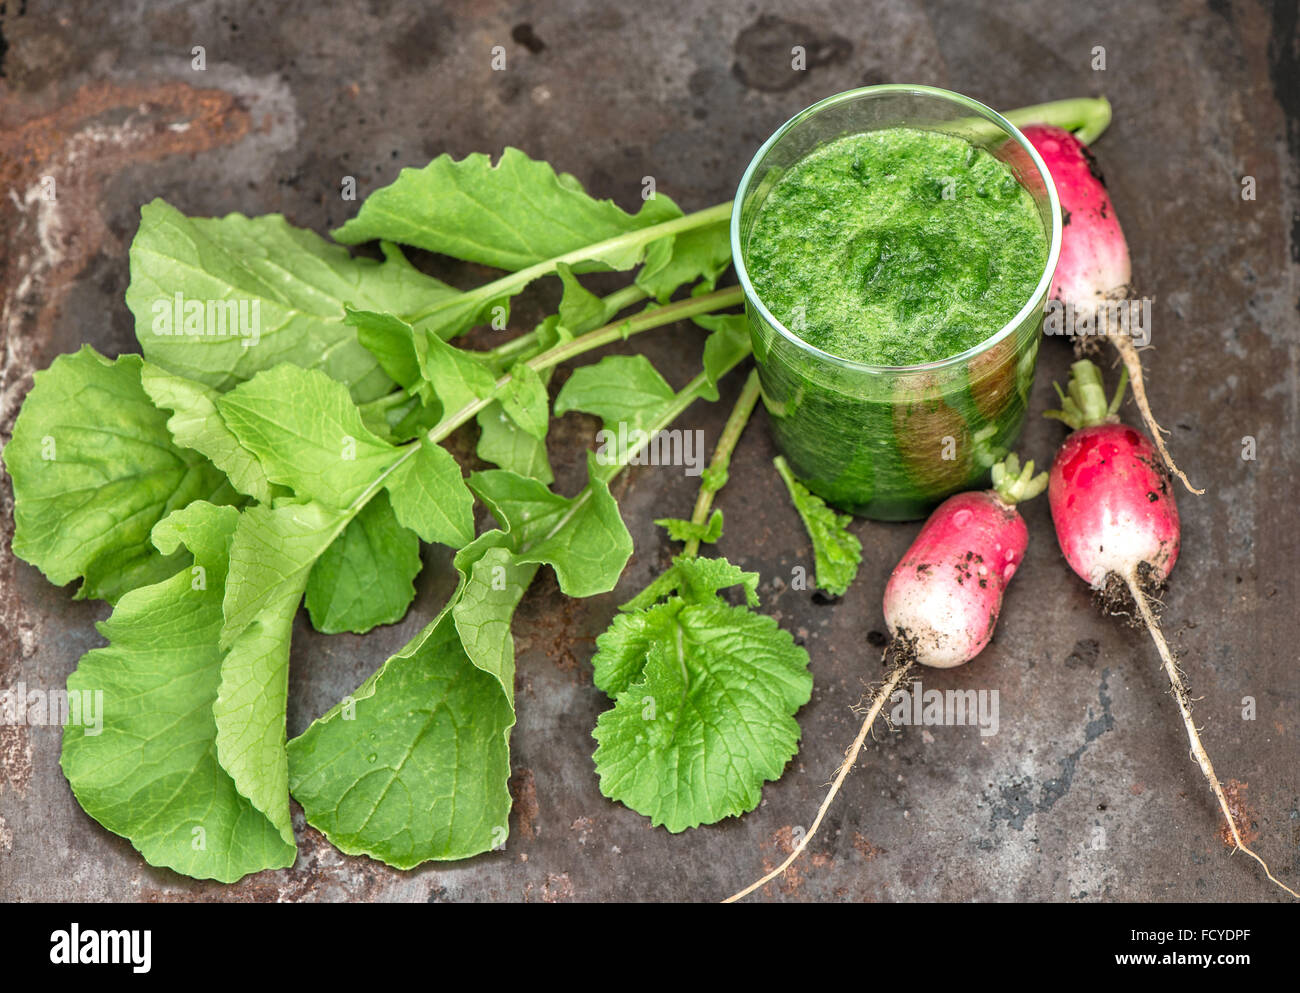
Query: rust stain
[782,844]
[556,630]
[865,848]
[99,131]
[558,887]
[53,166]
[1242,813]
[523,790]
[582,827]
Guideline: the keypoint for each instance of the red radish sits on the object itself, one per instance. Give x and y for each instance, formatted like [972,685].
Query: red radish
[1117,524]
[943,598]
[1093,269]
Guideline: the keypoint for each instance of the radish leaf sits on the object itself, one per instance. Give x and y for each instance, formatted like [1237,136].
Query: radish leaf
[365,578]
[837,552]
[151,774]
[94,469]
[307,433]
[292,284]
[509,215]
[582,538]
[680,530]
[704,697]
[197,424]
[413,765]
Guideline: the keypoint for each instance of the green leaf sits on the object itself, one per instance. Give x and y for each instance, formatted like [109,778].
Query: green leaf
[580,309]
[250,709]
[196,423]
[271,557]
[701,253]
[622,648]
[366,577]
[94,469]
[681,530]
[151,774]
[727,345]
[429,496]
[620,390]
[272,552]
[510,215]
[582,538]
[525,401]
[292,285]
[493,587]
[837,552]
[503,443]
[391,341]
[458,377]
[518,215]
[708,719]
[307,433]
[413,766]
[698,581]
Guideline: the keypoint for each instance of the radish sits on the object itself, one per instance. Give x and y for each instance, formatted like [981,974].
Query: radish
[943,598]
[1093,269]
[1117,524]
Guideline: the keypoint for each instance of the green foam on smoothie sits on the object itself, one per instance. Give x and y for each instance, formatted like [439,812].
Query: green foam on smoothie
[896,247]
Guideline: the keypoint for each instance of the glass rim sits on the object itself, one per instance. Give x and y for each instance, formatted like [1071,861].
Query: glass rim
[988,113]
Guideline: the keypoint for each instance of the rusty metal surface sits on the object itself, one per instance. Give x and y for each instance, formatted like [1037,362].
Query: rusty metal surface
[1087,791]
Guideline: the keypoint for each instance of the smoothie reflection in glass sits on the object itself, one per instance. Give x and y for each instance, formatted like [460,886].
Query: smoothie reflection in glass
[895,245]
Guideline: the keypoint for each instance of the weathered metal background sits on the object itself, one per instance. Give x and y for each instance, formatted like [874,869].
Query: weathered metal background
[1087,791]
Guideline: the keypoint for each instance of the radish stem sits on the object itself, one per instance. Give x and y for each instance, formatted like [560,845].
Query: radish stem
[1185,708]
[614,331]
[884,693]
[1085,117]
[715,476]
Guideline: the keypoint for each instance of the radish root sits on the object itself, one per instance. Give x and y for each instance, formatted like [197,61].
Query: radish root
[1133,363]
[1185,708]
[878,701]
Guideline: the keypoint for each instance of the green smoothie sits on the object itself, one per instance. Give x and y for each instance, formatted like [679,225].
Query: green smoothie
[896,247]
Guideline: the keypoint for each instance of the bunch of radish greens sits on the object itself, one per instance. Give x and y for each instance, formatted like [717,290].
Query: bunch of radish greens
[211,485]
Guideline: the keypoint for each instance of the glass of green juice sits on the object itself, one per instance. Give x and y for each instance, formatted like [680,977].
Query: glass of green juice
[895,245]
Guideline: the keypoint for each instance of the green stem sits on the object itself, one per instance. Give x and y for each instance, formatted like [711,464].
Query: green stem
[1086,117]
[512,283]
[614,302]
[616,331]
[715,477]
[657,317]
[687,395]
[394,399]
